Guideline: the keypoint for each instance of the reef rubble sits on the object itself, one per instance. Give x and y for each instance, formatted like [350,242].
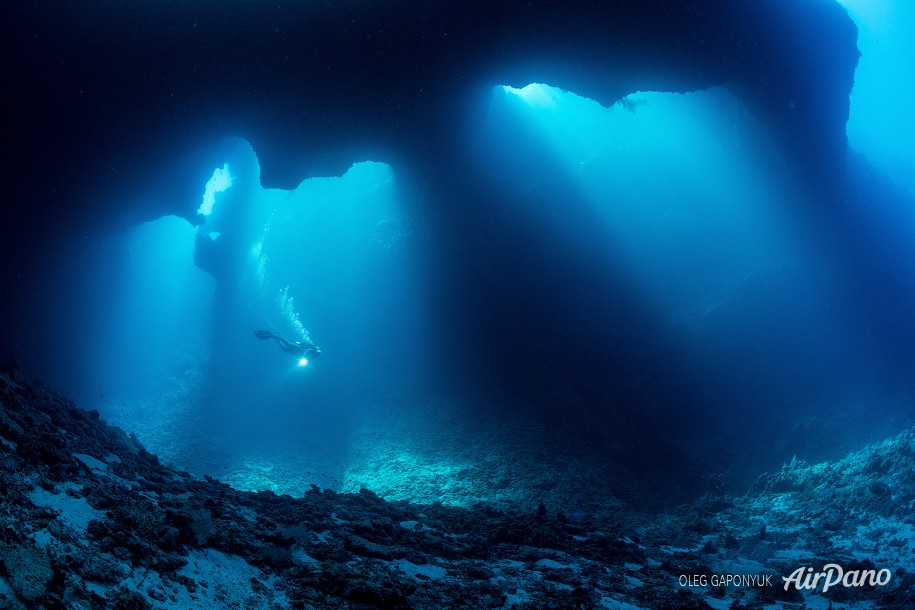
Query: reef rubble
[91,519]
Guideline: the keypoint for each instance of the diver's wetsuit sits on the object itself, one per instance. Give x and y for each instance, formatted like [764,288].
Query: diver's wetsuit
[299,349]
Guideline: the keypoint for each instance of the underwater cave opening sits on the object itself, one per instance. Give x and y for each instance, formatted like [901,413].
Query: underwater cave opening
[644,264]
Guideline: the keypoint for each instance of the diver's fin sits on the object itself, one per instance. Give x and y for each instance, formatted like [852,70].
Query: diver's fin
[264,334]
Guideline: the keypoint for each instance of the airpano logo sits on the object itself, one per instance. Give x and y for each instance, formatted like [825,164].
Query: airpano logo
[833,574]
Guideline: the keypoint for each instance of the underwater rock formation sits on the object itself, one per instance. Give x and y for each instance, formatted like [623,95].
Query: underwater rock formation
[91,519]
[315,87]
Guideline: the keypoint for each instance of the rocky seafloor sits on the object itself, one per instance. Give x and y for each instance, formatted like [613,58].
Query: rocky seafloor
[90,519]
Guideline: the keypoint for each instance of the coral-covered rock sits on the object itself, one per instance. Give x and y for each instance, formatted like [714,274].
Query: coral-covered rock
[122,530]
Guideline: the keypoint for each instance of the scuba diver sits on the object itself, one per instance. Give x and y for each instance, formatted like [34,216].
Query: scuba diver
[303,350]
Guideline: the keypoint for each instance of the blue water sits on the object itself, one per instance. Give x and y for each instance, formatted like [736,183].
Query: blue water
[651,277]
